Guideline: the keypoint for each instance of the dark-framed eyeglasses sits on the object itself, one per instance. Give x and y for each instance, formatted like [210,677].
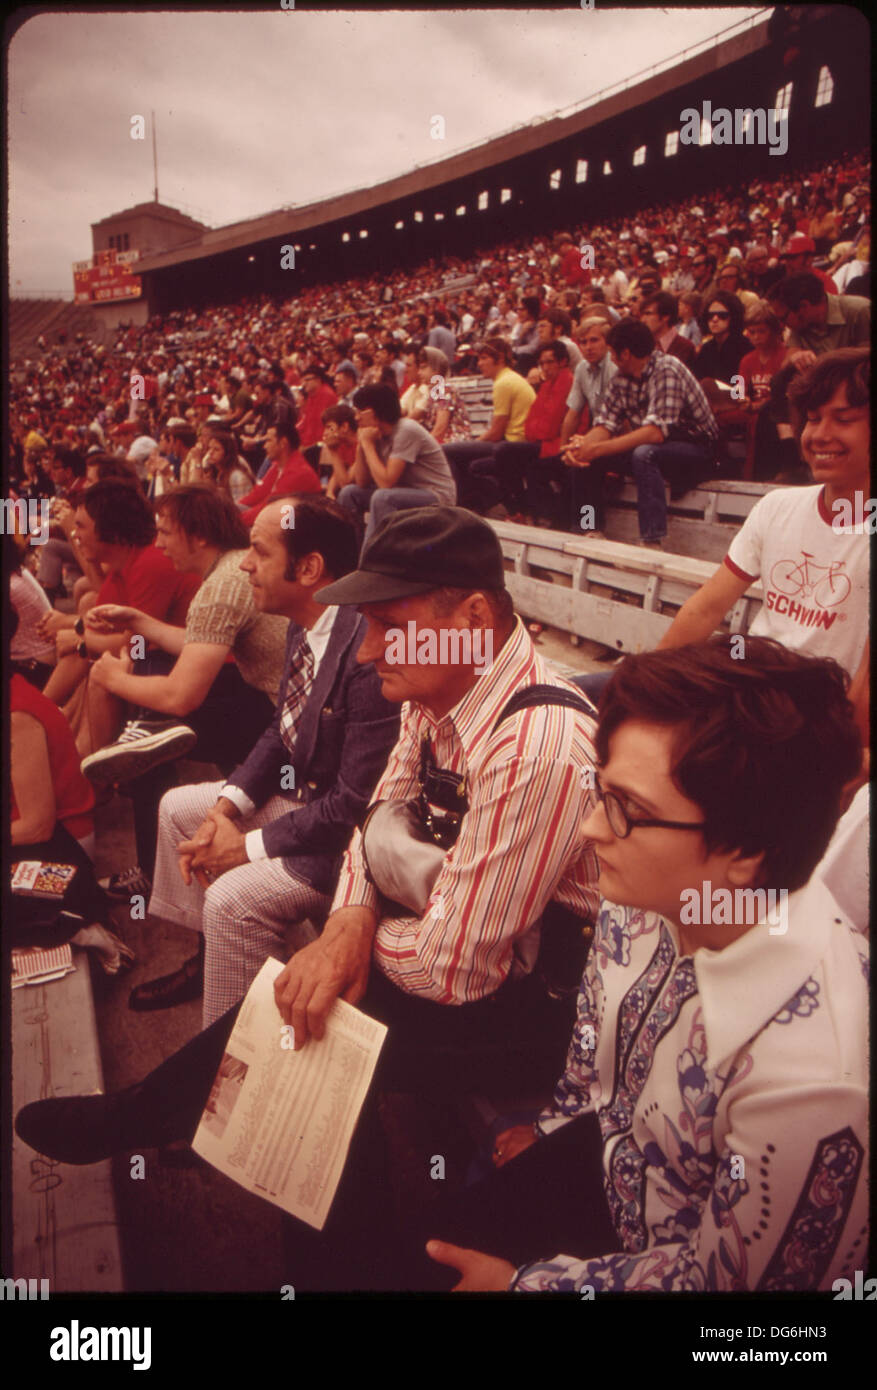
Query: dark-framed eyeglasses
[621,824]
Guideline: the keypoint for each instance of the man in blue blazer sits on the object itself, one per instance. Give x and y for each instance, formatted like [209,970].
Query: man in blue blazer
[258,855]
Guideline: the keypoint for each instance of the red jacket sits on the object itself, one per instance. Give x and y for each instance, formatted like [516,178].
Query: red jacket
[310,422]
[296,476]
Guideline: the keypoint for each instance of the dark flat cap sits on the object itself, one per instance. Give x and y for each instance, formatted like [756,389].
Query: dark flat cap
[418,550]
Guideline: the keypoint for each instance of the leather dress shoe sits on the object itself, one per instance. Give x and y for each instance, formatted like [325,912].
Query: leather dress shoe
[86,1129]
[180,987]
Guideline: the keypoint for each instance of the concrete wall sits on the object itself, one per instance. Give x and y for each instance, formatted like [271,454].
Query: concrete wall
[109,316]
[150,230]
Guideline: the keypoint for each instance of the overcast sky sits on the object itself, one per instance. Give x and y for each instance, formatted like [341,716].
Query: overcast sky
[261,108]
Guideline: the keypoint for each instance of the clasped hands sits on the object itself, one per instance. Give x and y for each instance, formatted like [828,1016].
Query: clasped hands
[580,451]
[216,847]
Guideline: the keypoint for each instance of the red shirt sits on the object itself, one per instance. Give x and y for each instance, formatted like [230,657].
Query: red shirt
[546,413]
[149,582]
[310,422]
[296,476]
[758,375]
[571,267]
[74,794]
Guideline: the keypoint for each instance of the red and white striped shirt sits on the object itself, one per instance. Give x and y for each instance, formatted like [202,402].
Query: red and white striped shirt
[520,842]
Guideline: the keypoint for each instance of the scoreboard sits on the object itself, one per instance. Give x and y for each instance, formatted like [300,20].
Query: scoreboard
[107,276]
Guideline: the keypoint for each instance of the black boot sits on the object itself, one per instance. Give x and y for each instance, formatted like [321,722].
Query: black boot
[177,988]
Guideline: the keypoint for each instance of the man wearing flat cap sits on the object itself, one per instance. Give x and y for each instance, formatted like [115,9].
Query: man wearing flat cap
[429,578]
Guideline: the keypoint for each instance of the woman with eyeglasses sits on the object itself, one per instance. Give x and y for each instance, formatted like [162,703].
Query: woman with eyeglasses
[723,350]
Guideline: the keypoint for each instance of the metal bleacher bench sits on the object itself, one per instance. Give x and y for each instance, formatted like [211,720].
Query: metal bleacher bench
[624,596]
[64,1217]
[476,393]
[701,523]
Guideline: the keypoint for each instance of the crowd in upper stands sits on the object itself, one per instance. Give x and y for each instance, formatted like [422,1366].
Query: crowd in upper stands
[703,274]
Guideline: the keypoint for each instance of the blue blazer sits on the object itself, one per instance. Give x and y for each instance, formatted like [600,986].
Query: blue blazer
[343,740]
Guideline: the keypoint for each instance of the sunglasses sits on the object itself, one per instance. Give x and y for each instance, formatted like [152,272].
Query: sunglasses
[717,314]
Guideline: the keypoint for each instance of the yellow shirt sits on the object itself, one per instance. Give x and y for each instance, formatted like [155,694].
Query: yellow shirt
[512,396]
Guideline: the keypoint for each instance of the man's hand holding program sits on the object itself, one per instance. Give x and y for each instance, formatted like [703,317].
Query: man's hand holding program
[334,966]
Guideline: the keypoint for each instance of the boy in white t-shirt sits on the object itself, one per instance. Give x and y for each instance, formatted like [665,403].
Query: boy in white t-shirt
[807,546]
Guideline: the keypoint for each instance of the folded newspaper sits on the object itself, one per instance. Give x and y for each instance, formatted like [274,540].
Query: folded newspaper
[280,1122]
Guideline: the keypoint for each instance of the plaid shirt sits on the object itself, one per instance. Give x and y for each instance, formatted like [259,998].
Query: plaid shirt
[666,395]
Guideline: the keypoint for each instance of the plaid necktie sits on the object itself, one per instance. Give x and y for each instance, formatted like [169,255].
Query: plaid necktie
[301,676]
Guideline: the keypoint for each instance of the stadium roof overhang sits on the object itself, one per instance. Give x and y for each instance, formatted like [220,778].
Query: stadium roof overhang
[288,222]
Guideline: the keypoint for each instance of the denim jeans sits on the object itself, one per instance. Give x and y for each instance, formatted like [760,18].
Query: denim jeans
[680,464]
[513,462]
[381,502]
[477,487]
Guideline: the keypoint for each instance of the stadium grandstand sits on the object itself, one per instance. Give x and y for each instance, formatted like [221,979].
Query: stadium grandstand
[617,368]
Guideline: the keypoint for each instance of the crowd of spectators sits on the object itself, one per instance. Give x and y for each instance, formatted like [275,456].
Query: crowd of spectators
[702,273]
[715,336]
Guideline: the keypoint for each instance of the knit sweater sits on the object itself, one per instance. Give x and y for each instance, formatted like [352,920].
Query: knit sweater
[223,612]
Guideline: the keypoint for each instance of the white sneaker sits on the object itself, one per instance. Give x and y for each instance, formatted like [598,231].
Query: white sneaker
[142,745]
[125,884]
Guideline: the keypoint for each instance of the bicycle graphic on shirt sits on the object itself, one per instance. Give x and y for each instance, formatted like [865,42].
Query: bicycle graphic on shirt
[827,585]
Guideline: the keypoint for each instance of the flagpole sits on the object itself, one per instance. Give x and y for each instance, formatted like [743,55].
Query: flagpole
[154,158]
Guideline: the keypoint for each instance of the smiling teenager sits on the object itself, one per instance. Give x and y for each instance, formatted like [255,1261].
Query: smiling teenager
[813,564]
